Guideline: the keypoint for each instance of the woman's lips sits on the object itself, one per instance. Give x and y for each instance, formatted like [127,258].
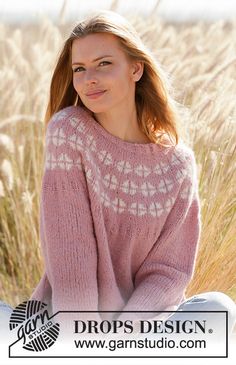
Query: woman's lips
[96,94]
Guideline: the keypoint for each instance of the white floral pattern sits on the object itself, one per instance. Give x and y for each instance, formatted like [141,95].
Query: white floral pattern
[148,189]
[129,187]
[138,209]
[105,157]
[110,181]
[117,182]
[124,167]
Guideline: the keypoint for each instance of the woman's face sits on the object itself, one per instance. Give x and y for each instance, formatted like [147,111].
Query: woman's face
[101,68]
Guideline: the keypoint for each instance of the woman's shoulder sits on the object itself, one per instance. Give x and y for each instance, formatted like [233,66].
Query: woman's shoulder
[72,115]
[182,151]
[181,159]
[68,129]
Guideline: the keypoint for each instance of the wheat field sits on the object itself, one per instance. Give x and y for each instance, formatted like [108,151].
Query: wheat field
[201,61]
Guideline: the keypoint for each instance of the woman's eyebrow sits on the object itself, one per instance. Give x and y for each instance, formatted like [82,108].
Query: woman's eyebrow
[96,59]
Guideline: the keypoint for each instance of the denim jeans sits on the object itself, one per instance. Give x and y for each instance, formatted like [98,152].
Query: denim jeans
[208,301]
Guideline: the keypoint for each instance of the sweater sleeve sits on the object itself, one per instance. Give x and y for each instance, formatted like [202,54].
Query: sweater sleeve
[66,227]
[162,278]
[43,290]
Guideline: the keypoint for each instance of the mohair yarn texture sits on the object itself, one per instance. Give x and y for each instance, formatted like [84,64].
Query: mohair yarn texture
[120,222]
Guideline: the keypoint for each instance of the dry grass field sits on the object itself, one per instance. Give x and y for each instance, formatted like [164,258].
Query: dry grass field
[201,61]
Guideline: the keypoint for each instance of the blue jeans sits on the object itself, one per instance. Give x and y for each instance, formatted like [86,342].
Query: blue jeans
[208,301]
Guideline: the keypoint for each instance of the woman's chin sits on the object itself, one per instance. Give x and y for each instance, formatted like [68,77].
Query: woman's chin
[97,109]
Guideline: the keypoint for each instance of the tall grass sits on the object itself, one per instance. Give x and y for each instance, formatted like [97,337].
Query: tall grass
[201,61]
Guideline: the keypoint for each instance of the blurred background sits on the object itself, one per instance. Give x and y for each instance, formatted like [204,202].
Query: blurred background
[196,44]
[18,11]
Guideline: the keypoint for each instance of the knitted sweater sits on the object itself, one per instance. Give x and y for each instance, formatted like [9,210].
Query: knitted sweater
[119,221]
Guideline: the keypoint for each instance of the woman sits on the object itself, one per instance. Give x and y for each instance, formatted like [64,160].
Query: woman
[120,213]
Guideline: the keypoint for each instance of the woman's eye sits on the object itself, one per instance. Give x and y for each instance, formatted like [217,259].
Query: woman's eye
[106,62]
[78,69]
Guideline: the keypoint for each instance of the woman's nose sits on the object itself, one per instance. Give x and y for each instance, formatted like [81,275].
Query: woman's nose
[90,77]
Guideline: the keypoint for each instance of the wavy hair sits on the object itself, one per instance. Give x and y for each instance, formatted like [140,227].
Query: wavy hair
[157,111]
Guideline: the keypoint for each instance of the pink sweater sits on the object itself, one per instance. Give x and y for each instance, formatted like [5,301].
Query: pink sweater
[119,221]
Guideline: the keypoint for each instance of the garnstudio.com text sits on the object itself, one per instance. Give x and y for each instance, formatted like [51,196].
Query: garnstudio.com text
[162,343]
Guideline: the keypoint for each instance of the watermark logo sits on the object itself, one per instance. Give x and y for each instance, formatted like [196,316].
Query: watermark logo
[34,325]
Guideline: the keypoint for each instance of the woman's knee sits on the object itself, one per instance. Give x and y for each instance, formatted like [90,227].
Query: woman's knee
[216,300]
[5,307]
[213,301]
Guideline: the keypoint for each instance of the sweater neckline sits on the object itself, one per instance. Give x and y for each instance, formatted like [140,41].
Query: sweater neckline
[131,146]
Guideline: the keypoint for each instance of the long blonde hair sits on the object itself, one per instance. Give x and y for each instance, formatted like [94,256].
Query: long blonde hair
[156,109]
